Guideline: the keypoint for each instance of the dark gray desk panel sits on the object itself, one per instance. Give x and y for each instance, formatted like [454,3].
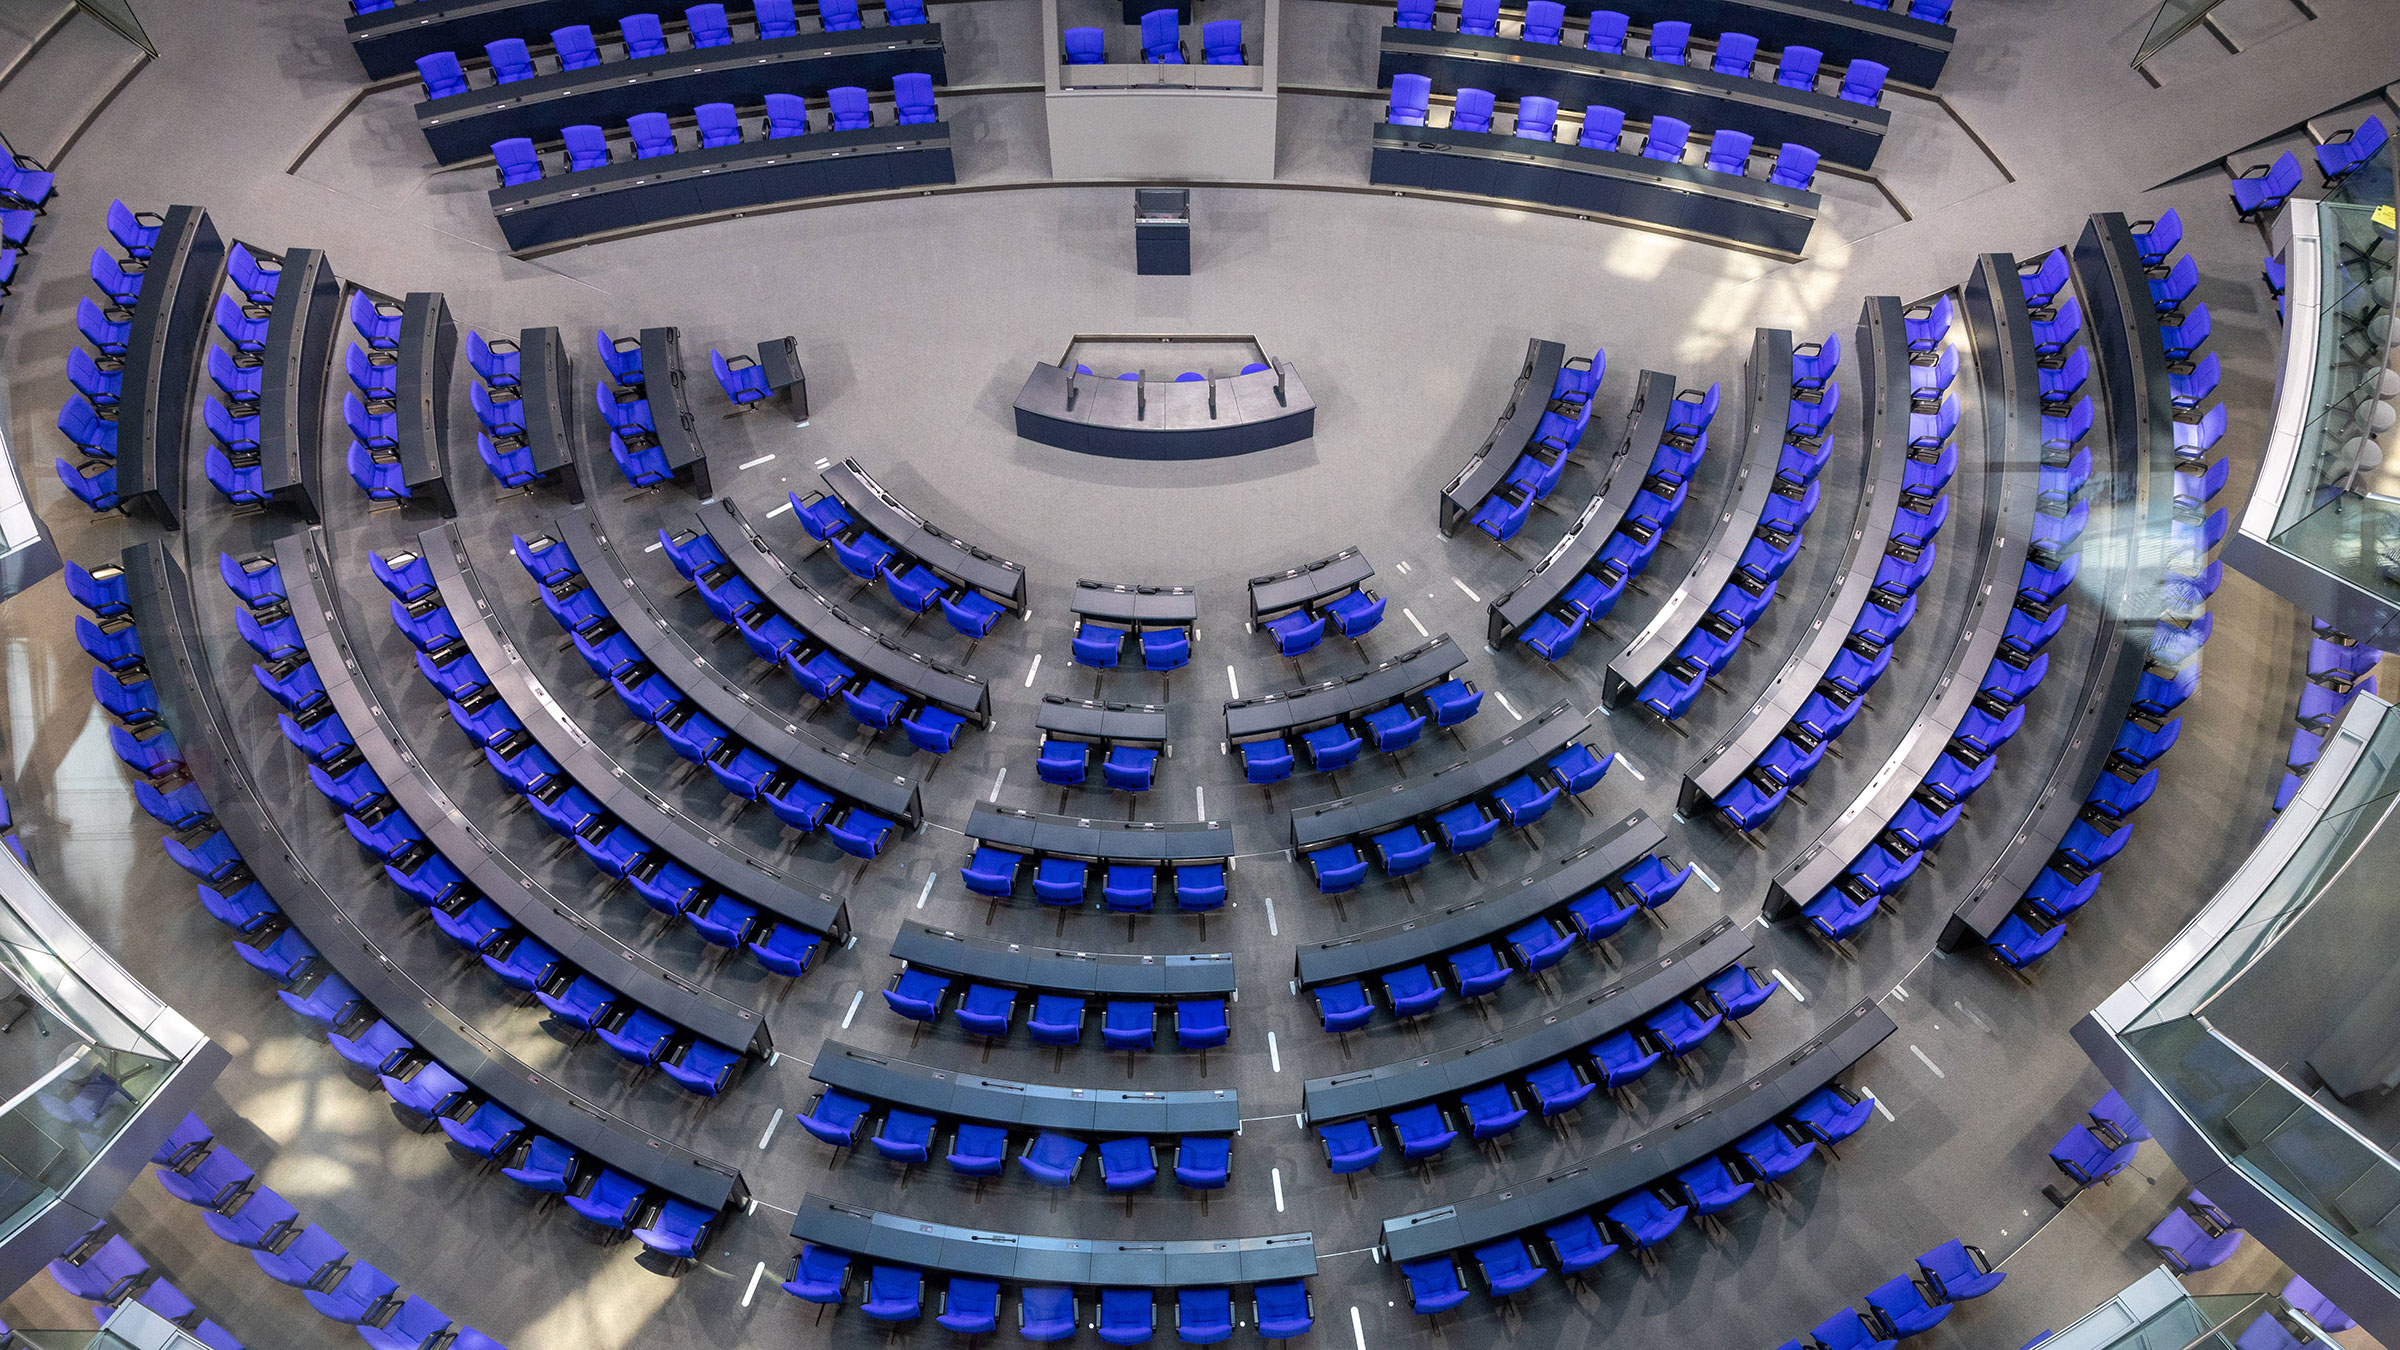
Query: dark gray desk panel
[858,645]
[1412,672]
[428,365]
[940,1250]
[1048,970]
[456,836]
[671,407]
[1143,724]
[1137,606]
[546,386]
[1679,198]
[1645,426]
[570,208]
[700,680]
[1485,917]
[2124,554]
[1118,841]
[465,126]
[291,381]
[1492,460]
[388,42]
[1842,29]
[719,861]
[1372,813]
[1165,419]
[954,1095]
[1844,133]
[1882,398]
[1644,1161]
[1769,406]
[1309,583]
[168,617]
[1643,989]
[948,556]
[162,359]
[2010,394]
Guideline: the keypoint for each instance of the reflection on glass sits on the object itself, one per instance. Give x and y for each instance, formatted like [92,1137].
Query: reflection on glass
[2341,508]
[2326,1172]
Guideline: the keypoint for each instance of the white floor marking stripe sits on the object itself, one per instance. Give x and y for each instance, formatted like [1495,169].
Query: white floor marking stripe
[1411,616]
[752,463]
[1271,930]
[1885,1111]
[1233,682]
[856,998]
[822,463]
[997,780]
[1927,1061]
[1702,873]
[752,1292]
[1358,1329]
[1900,992]
[1471,595]
[1275,1174]
[1200,797]
[1788,982]
[926,892]
[787,505]
[655,547]
[1403,568]
[1631,767]
[1029,670]
[1512,708]
[772,1121]
[1274,1056]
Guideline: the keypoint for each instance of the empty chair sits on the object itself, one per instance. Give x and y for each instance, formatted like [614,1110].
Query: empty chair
[1537,118]
[510,63]
[575,48]
[1162,38]
[1862,82]
[1666,140]
[1545,21]
[1410,96]
[1736,54]
[1221,43]
[2348,150]
[706,26]
[1089,46]
[1606,32]
[1602,125]
[2264,188]
[1471,110]
[1729,152]
[2187,1246]
[443,78]
[912,100]
[642,36]
[1798,67]
[1669,38]
[1479,18]
[587,147]
[848,104]
[718,126]
[652,134]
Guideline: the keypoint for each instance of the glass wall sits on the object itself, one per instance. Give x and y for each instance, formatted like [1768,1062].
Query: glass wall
[2341,503]
[2340,843]
[107,1047]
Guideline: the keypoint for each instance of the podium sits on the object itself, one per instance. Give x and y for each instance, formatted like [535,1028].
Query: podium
[1162,232]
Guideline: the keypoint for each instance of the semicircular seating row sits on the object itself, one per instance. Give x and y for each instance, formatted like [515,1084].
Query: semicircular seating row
[268,941]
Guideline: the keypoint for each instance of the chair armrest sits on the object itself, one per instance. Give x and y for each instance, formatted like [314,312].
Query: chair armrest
[2254,171]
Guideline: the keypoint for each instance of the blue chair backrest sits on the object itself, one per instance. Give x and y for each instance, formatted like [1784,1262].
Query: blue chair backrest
[1161,35]
[1086,46]
[850,112]
[1410,95]
[1472,110]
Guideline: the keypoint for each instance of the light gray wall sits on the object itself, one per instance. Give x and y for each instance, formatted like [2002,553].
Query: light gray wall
[1152,134]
